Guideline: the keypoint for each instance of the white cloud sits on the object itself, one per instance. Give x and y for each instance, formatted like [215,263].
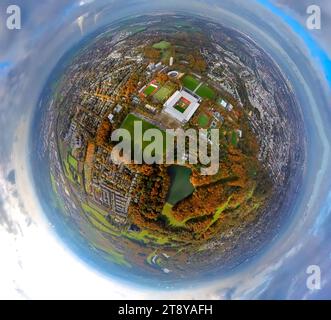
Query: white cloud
[85,2]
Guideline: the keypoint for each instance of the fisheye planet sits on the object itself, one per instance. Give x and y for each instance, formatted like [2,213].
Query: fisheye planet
[168,222]
[101,198]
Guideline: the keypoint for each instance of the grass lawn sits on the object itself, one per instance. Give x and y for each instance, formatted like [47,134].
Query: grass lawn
[97,209]
[128,124]
[112,254]
[164,93]
[146,237]
[71,171]
[182,105]
[101,226]
[95,213]
[203,120]
[165,48]
[98,220]
[190,83]
[129,121]
[163,45]
[179,108]
[149,90]
[167,212]
[73,162]
[205,92]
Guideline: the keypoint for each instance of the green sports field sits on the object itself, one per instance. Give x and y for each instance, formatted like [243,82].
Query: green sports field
[190,83]
[182,105]
[164,93]
[205,92]
[129,121]
[128,124]
[179,108]
[71,169]
[73,162]
[203,120]
[163,45]
[149,90]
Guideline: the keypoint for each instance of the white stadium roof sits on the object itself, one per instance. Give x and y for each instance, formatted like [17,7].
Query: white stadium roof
[169,106]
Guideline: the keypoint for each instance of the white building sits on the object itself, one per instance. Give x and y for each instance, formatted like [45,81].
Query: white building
[170,106]
[150,108]
[239,133]
[111,118]
[158,65]
[118,108]
[226,105]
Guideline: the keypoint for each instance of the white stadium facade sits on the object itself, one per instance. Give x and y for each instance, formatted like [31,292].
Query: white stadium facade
[183,117]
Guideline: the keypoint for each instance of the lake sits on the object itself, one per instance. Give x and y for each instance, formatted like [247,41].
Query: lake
[181,186]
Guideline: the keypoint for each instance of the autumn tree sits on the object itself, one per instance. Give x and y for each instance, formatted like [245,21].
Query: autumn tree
[152,54]
[103,132]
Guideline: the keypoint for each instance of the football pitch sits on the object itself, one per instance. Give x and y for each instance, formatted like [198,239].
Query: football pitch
[190,83]
[129,124]
[203,120]
[149,90]
[205,92]
[182,105]
[164,93]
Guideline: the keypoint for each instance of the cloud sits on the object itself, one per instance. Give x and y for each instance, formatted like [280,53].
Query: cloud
[299,9]
[85,2]
[5,220]
[80,22]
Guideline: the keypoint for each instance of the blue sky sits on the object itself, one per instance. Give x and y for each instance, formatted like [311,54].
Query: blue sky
[312,44]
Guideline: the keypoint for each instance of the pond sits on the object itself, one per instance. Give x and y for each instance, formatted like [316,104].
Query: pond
[181,186]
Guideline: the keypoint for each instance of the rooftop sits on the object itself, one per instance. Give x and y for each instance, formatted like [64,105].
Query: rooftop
[181,106]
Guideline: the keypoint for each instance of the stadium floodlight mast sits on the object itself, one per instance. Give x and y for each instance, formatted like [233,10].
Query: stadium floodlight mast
[179,147]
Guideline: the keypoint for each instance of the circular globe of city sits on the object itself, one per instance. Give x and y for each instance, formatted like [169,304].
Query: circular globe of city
[124,191]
